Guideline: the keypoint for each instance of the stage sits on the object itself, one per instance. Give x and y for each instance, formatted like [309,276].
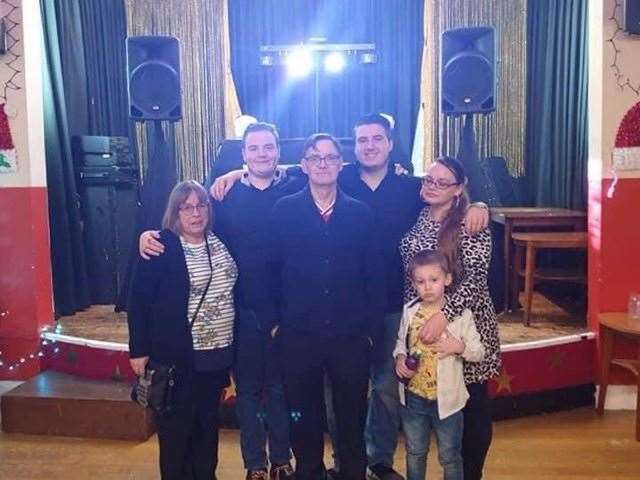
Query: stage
[554,356]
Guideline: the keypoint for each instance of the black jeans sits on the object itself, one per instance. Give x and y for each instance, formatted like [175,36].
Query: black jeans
[188,437]
[346,361]
[478,430]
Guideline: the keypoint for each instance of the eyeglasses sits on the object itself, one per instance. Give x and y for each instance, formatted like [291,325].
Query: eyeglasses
[330,159]
[191,209]
[438,183]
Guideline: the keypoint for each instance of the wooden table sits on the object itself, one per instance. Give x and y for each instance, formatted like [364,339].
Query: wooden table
[614,325]
[531,218]
[531,242]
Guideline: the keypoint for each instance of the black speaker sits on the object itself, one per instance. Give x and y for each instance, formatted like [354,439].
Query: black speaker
[96,151]
[153,78]
[109,200]
[631,16]
[468,71]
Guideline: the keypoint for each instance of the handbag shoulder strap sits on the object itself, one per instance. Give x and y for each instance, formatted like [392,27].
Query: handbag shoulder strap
[206,289]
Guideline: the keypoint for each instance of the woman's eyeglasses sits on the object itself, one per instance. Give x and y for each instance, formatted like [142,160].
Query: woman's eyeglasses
[330,159]
[437,183]
[191,209]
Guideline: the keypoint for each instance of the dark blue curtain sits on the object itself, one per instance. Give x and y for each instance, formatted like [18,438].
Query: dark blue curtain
[104,29]
[392,85]
[556,143]
[70,280]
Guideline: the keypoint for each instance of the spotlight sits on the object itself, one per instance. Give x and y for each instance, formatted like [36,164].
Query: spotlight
[266,60]
[334,62]
[299,62]
[368,57]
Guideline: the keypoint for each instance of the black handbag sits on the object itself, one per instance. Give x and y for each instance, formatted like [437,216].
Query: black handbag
[155,389]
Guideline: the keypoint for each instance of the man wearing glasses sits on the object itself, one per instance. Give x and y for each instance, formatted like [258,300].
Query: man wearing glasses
[326,265]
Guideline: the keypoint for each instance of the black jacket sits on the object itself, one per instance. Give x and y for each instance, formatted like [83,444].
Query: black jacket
[327,277]
[157,308]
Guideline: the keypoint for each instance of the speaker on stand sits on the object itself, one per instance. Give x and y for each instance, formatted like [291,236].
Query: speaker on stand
[154,94]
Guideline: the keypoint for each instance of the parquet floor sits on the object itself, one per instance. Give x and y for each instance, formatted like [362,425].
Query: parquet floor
[568,445]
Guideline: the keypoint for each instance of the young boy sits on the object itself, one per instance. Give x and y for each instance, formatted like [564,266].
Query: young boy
[432,392]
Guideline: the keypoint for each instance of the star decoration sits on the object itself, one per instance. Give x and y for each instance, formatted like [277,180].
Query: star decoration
[72,357]
[503,381]
[556,360]
[117,375]
[230,391]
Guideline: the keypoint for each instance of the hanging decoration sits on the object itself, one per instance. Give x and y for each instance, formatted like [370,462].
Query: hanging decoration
[8,161]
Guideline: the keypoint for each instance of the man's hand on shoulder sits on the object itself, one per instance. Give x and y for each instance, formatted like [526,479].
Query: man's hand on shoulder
[149,244]
[476,218]
[223,184]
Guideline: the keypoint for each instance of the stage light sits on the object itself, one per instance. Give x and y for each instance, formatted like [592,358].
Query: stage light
[299,62]
[266,60]
[368,57]
[334,62]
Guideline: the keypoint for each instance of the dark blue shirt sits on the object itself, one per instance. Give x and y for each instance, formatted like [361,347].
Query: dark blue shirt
[395,204]
[326,274]
[241,222]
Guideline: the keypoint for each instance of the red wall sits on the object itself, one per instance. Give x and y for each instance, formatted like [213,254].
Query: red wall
[25,277]
[614,255]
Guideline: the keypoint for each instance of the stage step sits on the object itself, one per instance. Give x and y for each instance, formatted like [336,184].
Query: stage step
[54,403]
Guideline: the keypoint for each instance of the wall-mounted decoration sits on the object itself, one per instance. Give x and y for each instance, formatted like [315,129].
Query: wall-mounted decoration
[626,154]
[8,163]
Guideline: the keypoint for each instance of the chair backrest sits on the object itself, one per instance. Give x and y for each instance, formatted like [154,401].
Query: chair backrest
[229,154]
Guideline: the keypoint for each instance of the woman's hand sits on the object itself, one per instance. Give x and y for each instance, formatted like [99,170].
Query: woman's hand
[223,184]
[477,218]
[138,365]
[448,345]
[401,369]
[433,328]
[149,244]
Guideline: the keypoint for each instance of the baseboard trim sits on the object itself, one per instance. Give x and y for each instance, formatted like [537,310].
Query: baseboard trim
[620,397]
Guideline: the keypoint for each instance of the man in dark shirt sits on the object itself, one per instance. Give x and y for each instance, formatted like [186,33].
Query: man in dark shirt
[325,260]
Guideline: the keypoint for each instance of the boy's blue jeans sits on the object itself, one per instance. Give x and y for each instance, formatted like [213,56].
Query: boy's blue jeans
[419,418]
[260,404]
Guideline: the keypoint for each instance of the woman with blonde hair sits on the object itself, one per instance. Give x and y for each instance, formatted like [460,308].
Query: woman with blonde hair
[181,315]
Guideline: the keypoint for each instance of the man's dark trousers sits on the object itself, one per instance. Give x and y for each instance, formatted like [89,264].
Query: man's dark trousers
[346,361]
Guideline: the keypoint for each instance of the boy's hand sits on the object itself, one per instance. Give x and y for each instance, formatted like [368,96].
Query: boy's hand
[433,328]
[477,218]
[401,369]
[149,244]
[223,184]
[448,345]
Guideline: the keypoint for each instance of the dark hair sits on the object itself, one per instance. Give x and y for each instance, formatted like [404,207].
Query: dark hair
[261,127]
[428,257]
[450,226]
[179,194]
[377,119]
[313,140]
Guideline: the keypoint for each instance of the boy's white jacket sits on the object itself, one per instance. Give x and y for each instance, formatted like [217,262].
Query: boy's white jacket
[452,392]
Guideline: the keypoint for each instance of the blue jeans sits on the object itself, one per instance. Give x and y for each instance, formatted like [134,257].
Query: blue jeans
[383,415]
[419,417]
[260,403]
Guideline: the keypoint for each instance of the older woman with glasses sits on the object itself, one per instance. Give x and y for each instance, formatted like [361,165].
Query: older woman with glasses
[181,314]
[440,225]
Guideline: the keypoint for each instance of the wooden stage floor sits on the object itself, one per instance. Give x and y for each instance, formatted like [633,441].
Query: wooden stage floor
[568,445]
[548,320]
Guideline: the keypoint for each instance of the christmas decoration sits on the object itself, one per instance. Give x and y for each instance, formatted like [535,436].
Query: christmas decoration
[7,149]
[629,129]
